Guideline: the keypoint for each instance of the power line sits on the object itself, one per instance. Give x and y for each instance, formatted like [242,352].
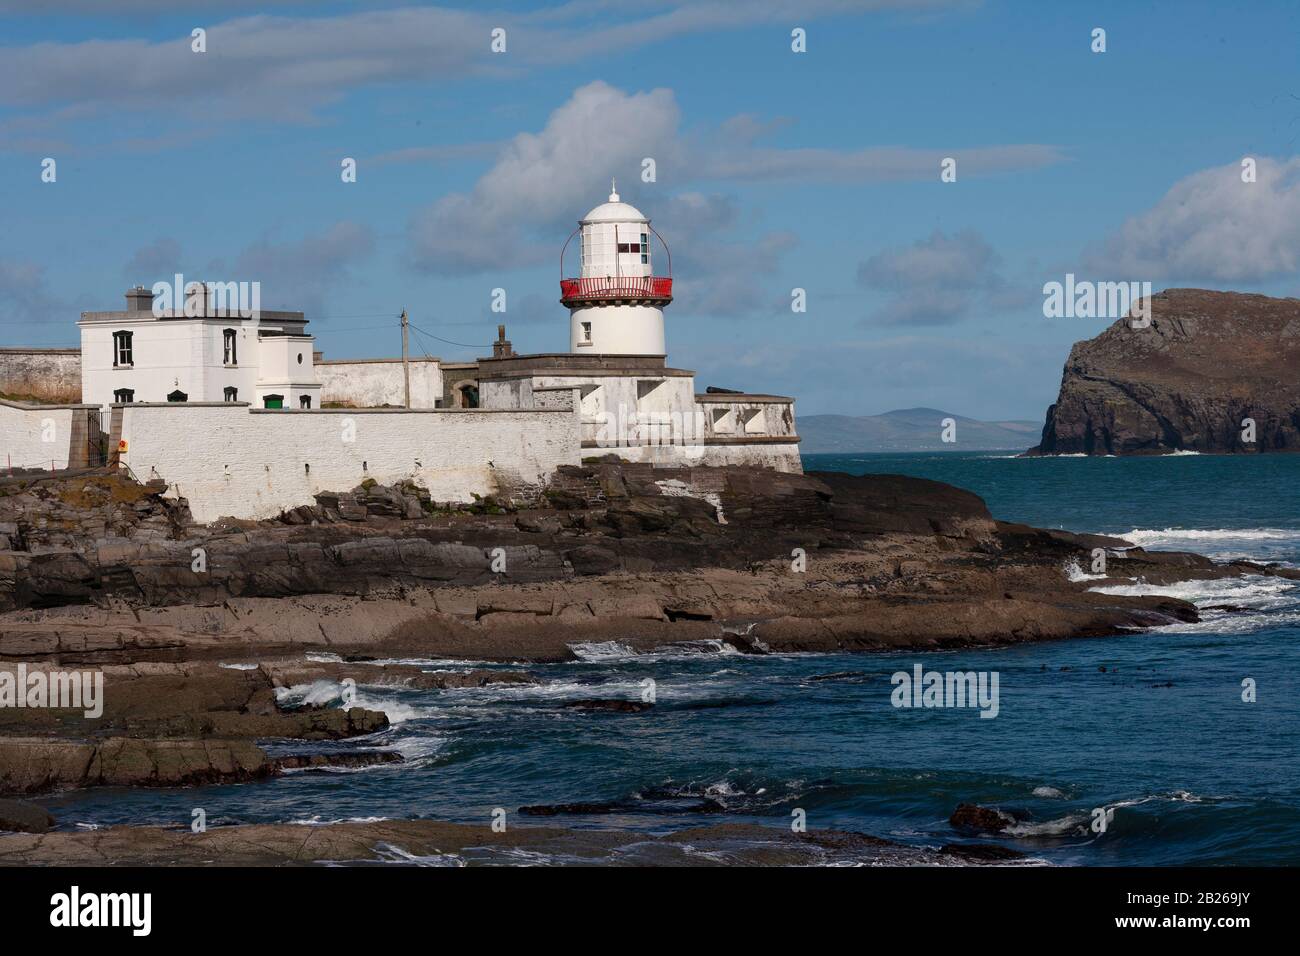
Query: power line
[463,345]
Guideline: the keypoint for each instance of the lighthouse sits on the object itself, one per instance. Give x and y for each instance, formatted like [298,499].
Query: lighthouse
[616,302]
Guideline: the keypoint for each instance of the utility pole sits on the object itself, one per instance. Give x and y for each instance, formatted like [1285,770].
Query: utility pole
[406,366]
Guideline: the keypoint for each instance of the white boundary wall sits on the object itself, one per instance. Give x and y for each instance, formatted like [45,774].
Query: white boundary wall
[230,460]
[369,383]
[35,436]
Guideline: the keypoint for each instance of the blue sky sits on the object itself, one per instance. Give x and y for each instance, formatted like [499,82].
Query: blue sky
[775,170]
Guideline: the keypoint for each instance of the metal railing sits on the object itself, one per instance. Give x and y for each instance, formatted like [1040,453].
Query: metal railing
[596,288]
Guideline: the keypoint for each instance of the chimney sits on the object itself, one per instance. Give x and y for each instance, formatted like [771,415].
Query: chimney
[501,347]
[139,299]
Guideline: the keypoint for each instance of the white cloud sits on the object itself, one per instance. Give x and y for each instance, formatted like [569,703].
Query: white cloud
[1211,225]
[541,182]
[162,257]
[287,67]
[876,164]
[295,274]
[28,301]
[936,281]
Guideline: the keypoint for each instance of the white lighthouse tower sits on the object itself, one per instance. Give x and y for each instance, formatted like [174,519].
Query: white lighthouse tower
[616,303]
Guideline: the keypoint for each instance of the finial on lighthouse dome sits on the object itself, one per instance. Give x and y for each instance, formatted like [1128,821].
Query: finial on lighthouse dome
[615,210]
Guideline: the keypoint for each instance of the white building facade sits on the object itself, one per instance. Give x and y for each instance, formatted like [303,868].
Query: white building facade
[143,354]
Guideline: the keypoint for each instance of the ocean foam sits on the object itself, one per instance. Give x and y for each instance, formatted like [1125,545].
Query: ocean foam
[1222,544]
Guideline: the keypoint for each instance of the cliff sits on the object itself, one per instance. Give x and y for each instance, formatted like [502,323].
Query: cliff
[1208,361]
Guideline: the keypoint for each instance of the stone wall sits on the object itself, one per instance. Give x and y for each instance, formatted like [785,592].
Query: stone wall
[228,459]
[455,375]
[373,383]
[41,375]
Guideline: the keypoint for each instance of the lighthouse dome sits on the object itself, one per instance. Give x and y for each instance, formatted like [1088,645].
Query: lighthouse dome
[615,210]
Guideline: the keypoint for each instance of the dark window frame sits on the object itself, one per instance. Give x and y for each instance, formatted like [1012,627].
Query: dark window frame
[123,349]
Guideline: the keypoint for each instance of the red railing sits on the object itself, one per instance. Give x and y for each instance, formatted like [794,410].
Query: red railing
[597,288]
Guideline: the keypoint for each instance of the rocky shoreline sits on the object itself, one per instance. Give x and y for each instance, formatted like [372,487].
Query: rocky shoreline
[206,636]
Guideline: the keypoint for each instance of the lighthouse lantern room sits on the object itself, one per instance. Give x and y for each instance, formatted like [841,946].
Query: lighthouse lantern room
[616,303]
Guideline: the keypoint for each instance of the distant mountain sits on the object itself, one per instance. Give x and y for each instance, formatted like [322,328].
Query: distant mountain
[911,429]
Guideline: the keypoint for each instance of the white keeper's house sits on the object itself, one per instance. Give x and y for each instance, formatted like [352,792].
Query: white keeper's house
[143,354]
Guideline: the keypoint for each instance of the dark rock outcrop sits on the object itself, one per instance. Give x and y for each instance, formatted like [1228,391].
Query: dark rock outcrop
[977,819]
[1208,361]
[609,706]
[38,765]
[19,816]
[292,844]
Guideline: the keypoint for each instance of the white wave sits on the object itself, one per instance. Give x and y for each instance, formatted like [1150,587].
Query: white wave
[1075,573]
[1048,793]
[239,667]
[606,652]
[600,652]
[316,694]
[1070,823]
[316,821]
[396,711]
[324,692]
[1069,454]
[433,663]
[1222,544]
[1081,822]
[414,749]
[390,853]
[1148,536]
[1253,591]
[1264,602]
[339,770]
[1223,622]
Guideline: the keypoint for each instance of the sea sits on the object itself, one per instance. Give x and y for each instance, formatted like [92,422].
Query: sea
[1172,746]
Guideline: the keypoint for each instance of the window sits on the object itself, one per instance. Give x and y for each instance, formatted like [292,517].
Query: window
[232,394]
[122,354]
[177,396]
[304,401]
[629,247]
[231,358]
[586,331]
[123,395]
[645,249]
[299,358]
[273,401]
